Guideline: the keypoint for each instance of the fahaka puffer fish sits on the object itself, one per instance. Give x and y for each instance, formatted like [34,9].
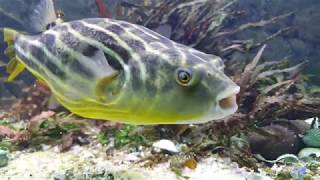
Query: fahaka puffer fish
[113,70]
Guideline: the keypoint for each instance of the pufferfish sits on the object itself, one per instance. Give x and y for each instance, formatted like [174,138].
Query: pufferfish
[114,70]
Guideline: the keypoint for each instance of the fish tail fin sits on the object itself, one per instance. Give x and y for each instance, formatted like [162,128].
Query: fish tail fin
[34,16]
[14,67]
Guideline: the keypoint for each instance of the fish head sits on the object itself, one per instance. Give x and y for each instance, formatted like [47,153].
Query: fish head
[191,90]
[210,89]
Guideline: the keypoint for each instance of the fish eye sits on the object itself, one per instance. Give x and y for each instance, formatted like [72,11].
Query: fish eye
[184,76]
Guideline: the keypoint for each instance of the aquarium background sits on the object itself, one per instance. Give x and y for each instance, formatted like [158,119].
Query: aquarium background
[270,48]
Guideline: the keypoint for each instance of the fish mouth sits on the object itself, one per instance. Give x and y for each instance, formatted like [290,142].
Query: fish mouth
[227,101]
[225,105]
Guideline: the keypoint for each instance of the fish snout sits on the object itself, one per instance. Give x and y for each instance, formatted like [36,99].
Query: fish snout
[227,100]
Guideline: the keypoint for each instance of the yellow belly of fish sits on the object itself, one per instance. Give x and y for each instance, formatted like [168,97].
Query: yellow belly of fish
[88,108]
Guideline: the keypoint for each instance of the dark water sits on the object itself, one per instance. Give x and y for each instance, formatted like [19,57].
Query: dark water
[301,42]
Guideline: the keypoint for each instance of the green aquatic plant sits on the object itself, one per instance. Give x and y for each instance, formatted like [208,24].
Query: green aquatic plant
[54,127]
[127,135]
[103,138]
[4,122]
[6,144]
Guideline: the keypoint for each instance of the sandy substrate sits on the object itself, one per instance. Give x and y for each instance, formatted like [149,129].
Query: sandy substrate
[82,162]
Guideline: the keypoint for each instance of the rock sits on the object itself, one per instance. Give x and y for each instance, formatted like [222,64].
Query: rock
[3,158]
[165,145]
[282,140]
[306,152]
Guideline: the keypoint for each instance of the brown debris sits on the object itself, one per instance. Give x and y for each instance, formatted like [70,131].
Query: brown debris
[33,102]
[67,141]
[14,135]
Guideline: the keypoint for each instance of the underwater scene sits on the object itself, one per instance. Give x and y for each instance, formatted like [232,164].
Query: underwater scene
[159,89]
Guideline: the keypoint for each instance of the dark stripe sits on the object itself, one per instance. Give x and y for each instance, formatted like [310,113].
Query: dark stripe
[43,59]
[66,58]
[135,76]
[49,41]
[152,64]
[115,29]
[25,48]
[102,37]
[166,85]
[135,45]
[80,69]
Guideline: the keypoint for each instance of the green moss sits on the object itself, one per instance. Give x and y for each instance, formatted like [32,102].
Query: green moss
[4,122]
[45,124]
[124,136]
[127,135]
[103,138]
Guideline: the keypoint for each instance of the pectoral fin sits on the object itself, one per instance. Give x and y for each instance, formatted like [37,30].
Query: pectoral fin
[103,83]
[14,68]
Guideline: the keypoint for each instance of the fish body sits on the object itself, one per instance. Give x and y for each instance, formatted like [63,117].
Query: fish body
[107,69]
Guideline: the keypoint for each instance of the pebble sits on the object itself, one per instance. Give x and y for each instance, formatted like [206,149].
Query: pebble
[306,152]
[165,145]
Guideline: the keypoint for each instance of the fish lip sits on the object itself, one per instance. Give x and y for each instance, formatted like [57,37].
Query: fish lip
[233,91]
[224,112]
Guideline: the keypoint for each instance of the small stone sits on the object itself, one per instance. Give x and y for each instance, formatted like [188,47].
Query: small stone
[191,163]
[132,157]
[306,152]
[3,158]
[165,145]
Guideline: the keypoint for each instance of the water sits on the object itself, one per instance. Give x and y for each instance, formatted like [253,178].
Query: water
[277,94]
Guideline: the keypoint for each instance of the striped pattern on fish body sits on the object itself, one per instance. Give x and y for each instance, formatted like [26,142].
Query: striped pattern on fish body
[108,69]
